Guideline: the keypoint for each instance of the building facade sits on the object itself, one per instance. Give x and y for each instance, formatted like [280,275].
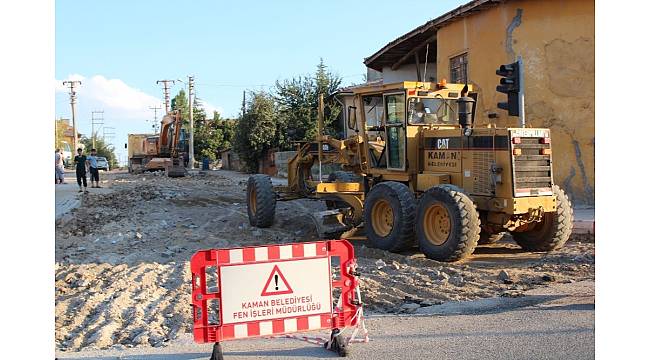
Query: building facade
[556,42]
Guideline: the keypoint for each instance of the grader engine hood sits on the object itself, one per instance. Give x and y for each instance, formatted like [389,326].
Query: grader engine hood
[532,165]
[505,163]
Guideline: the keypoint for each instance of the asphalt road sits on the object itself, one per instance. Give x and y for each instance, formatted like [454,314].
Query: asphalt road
[550,323]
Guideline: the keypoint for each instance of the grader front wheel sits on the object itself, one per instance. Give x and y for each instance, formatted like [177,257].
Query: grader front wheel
[260,199]
[447,224]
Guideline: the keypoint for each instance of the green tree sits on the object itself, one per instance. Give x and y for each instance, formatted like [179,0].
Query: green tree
[295,98]
[181,102]
[228,127]
[103,149]
[212,136]
[326,83]
[208,133]
[298,103]
[257,130]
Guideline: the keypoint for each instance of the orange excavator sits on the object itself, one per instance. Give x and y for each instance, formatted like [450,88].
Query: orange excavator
[162,152]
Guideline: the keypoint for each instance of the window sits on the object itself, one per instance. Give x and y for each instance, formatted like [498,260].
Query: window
[458,69]
[395,109]
[423,111]
[373,106]
[396,131]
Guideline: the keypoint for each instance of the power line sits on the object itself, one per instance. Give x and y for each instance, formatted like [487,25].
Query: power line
[260,85]
[234,85]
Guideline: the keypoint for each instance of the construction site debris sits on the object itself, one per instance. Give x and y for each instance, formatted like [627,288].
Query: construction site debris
[123,279]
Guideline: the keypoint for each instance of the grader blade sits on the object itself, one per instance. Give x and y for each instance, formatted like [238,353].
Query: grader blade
[330,223]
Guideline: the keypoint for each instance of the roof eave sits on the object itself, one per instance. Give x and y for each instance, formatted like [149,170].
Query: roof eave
[435,24]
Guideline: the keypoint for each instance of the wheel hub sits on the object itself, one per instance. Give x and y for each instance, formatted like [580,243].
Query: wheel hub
[382,218]
[437,224]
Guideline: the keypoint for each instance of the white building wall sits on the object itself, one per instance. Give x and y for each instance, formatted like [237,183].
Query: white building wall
[408,73]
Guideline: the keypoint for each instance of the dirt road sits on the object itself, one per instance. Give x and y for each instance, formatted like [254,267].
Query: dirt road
[122,275]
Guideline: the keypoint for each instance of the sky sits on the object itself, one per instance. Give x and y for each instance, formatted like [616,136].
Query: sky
[118,49]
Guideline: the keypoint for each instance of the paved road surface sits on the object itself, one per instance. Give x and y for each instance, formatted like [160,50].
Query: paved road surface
[549,323]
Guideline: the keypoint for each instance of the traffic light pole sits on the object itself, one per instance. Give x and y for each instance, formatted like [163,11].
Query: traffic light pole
[522,109]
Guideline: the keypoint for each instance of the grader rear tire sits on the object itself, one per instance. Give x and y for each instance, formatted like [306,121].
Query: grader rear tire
[388,215]
[554,229]
[447,225]
[260,199]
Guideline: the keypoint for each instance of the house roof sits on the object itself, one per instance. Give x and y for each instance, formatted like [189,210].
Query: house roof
[404,47]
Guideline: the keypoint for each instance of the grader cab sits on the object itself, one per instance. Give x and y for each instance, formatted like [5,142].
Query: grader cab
[416,171]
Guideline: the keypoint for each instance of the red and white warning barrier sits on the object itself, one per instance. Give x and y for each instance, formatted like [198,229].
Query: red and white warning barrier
[274,290]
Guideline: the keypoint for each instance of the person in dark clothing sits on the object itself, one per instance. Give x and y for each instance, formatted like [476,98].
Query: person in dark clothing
[81,167]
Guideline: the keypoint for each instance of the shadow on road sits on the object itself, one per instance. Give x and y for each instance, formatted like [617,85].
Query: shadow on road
[497,250]
[187,356]
[487,306]
[307,351]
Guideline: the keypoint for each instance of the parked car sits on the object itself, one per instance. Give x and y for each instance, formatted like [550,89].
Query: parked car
[67,155]
[102,163]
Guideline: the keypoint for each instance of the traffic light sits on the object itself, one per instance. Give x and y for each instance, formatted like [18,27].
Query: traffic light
[511,86]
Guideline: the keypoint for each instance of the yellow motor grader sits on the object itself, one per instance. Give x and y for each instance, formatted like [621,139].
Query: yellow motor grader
[415,171]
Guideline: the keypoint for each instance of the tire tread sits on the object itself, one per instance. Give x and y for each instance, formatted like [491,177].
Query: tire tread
[265,195]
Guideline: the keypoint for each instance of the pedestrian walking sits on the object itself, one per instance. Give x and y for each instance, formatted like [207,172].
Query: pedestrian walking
[94,171]
[82,165]
[58,167]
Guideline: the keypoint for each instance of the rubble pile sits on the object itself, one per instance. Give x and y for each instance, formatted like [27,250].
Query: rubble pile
[122,260]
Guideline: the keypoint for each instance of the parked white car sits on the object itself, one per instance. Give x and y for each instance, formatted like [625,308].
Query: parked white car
[102,163]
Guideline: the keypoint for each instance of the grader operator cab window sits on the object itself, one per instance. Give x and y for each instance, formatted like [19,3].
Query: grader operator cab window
[373,108]
[395,131]
[352,118]
[425,111]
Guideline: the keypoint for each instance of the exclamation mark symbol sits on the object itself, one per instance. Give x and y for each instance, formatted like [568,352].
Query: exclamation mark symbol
[276,282]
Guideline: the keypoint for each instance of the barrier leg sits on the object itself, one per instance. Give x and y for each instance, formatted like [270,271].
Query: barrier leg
[337,343]
[217,353]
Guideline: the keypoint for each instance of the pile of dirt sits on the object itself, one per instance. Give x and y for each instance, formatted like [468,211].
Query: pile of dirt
[123,279]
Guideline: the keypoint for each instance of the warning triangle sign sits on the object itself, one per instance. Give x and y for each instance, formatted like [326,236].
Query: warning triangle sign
[276,284]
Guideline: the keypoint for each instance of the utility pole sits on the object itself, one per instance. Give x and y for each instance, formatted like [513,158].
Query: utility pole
[73,101]
[166,91]
[190,93]
[155,117]
[96,121]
